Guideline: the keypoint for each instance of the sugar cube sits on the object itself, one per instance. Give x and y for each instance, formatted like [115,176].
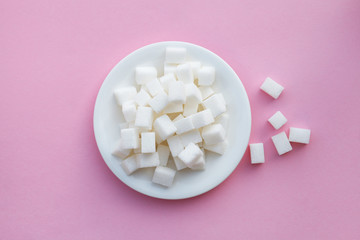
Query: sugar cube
[184,73]
[164,127]
[169,68]
[130,138]
[199,163]
[281,143]
[184,125]
[213,134]
[190,154]
[272,88]
[206,76]
[206,92]
[145,74]
[164,153]
[195,66]
[129,110]
[216,104]
[257,153]
[119,151]
[124,94]
[129,165]
[148,142]
[173,108]
[175,55]
[154,87]
[164,176]
[166,80]
[179,164]
[192,136]
[277,120]
[159,102]
[192,93]
[144,117]
[175,145]
[223,119]
[202,118]
[142,98]
[177,92]
[190,108]
[299,135]
[178,117]
[218,148]
[145,160]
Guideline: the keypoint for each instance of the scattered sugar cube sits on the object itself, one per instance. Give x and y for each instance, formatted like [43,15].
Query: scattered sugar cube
[190,108]
[178,117]
[206,92]
[206,76]
[129,165]
[195,66]
[148,142]
[164,176]
[158,138]
[299,135]
[190,154]
[179,164]
[272,88]
[144,117]
[192,93]
[202,118]
[277,120]
[223,119]
[130,138]
[184,125]
[164,153]
[129,110]
[281,143]
[173,108]
[119,151]
[184,73]
[175,55]
[169,68]
[177,92]
[199,164]
[257,153]
[175,145]
[166,80]
[190,137]
[159,102]
[218,148]
[213,134]
[154,87]
[164,127]
[145,160]
[145,74]
[142,98]
[216,103]
[124,94]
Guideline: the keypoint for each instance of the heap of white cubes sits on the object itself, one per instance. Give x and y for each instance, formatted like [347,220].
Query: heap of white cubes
[172,120]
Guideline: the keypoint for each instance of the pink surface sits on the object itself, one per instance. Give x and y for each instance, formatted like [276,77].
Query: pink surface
[55,56]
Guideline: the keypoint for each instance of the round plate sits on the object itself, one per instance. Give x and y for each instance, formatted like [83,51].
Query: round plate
[187,183]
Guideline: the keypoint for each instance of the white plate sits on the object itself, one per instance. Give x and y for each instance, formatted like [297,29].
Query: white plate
[107,116]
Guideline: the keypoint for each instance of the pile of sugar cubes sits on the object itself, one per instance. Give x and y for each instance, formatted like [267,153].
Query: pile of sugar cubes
[281,141]
[178,113]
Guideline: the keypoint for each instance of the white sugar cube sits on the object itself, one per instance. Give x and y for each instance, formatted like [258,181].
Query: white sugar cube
[129,110]
[142,98]
[129,165]
[177,92]
[154,87]
[158,139]
[164,127]
[277,120]
[130,138]
[119,151]
[175,55]
[175,145]
[257,153]
[145,74]
[148,142]
[179,164]
[299,135]
[164,176]
[144,117]
[184,73]
[223,119]
[218,148]
[216,104]
[192,93]
[178,117]
[145,160]
[190,108]
[213,134]
[206,76]
[184,125]
[281,143]
[190,154]
[202,118]
[272,88]
[190,137]
[195,66]
[124,94]
[173,108]
[159,102]
[169,68]
[206,92]
[166,80]
[199,164]
[164,153]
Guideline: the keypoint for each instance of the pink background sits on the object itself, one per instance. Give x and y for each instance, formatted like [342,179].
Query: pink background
[55,56]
